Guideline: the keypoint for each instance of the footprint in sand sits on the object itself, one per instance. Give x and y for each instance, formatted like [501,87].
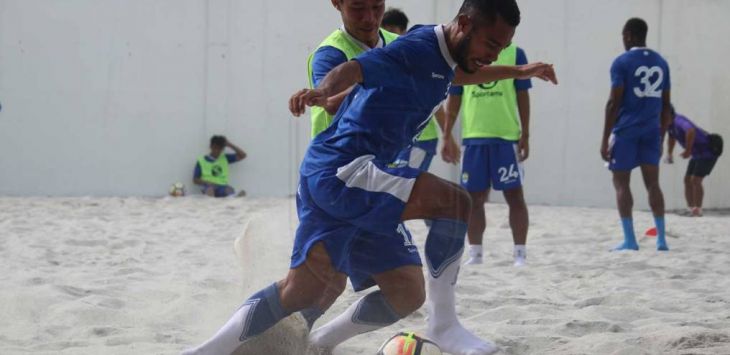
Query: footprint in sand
[595,301]
[104,331]
[36,281]
[112,303]
[73,291]
[579,328]
[132,270]
[86,243]
[700,340]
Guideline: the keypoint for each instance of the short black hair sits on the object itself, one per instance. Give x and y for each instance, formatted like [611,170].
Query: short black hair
[488,10]
[395,17]
[218,141]
[637,28]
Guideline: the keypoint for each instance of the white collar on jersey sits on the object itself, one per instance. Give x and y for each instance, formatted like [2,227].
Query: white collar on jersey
[362,45]
[439,29]
[638,48]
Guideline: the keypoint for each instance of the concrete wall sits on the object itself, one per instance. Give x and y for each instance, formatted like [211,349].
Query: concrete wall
[110,97]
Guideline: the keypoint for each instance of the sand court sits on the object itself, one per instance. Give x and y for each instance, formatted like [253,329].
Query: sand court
[153,276]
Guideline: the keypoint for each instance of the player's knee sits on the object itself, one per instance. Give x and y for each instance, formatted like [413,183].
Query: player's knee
[296,296]
[515,198]
[334,289]
[405,291]
[409,298]
[463,203]
[688,180]
[417,300]
[653,186]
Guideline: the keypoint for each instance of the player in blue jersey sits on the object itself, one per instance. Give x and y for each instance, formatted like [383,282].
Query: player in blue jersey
[352,204]
[638,113]
[420,154]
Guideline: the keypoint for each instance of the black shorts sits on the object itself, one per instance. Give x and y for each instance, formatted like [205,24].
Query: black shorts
[700,167]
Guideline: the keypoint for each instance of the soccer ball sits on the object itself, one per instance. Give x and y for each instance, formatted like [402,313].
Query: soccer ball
[177,189]
[408,343]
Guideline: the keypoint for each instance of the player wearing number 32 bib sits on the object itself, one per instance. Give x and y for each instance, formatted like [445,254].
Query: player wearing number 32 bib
[638,113]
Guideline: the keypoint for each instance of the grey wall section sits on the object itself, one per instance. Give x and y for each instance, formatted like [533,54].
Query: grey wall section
[104,97]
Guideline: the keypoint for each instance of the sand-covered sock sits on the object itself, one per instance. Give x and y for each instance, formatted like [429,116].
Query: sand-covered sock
[369,313]
[256,315]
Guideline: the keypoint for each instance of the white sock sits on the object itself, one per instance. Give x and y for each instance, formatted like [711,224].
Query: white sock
[259,313]
[475,250]
[441,302]
[520,251]
[444,327]
[226,340]
[367,314]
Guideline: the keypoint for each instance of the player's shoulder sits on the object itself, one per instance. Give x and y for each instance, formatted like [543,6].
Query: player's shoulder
[645,53]
[625,56]
[419,41]
[420,28]
[620,61]
[329,53]
[421,32]
[660,58]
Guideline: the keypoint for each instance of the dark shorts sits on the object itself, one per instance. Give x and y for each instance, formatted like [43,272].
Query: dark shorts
[218,191]
[700,167]
[356,212]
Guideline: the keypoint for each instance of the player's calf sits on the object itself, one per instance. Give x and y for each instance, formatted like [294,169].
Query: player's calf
[302,288]
[402,291]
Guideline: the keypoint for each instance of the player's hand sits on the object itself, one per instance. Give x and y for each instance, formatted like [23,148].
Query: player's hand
[605,154]
[306,97]
[538,70]
[523,147]
[669,159]
[451,152]
[686,154]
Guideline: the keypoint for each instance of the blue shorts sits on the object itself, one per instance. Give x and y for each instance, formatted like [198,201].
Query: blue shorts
[491,165]
[628,153]
[218,191]
[356,212]
[420,155]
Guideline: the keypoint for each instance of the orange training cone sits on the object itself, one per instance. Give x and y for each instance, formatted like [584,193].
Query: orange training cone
[651,232]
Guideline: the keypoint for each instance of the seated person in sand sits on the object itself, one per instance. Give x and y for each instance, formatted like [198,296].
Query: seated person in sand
[211,171]
[702,149]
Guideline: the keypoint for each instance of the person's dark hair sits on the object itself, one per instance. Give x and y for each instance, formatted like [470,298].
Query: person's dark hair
[395,17]
[488,10]
[637,28]
[218,141]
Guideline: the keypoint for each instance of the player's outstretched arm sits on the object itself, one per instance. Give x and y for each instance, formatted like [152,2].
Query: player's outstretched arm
[670,150]
[689,142]
[490,73]
[338,80]
[451,152]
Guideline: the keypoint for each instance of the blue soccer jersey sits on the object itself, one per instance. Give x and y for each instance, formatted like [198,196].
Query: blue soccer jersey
[644,76]
[402,85]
